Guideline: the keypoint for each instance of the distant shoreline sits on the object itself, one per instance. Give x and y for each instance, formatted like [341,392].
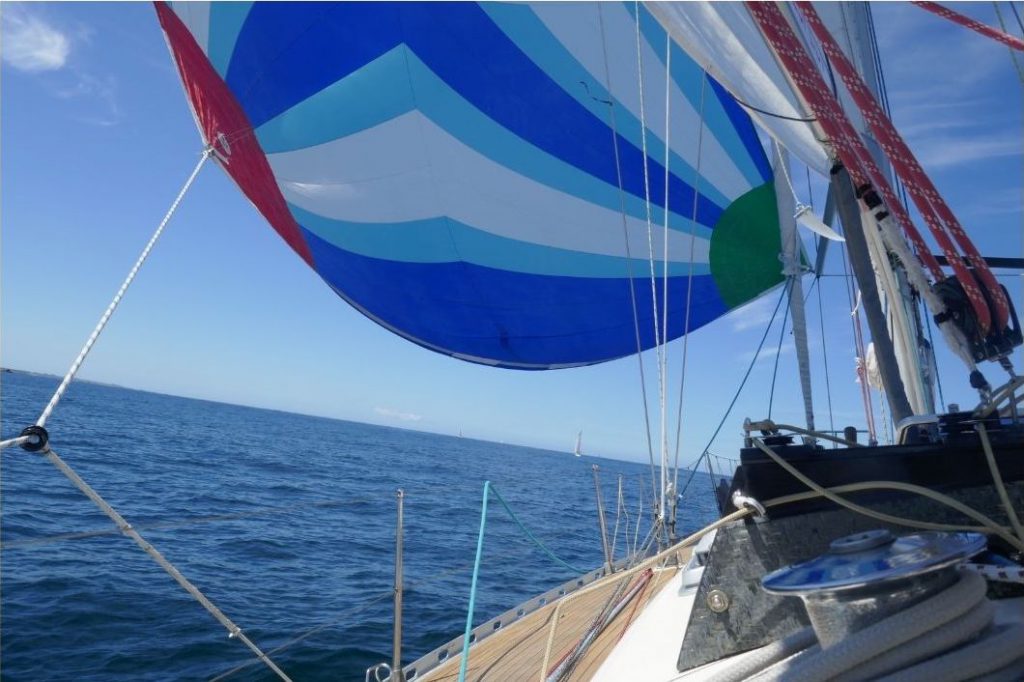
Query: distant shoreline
[55,378]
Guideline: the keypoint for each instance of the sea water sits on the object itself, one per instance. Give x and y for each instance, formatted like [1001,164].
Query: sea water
[285,521]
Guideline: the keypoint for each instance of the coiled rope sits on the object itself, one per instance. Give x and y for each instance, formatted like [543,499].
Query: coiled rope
[906,646]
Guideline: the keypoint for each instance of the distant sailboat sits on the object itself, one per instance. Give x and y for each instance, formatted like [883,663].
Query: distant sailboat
[578,450]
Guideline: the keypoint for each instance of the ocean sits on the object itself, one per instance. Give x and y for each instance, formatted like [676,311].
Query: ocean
[285,521]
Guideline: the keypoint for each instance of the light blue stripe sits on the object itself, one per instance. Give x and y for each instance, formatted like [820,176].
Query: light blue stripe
[532,36]
[687,75]
[378,92]
[381,90]
[444,240]
[226,19]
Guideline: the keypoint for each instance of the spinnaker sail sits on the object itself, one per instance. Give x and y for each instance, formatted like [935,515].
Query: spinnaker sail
[489,180]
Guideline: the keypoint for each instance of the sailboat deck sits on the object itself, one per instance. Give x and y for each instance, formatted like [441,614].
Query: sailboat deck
[516,652]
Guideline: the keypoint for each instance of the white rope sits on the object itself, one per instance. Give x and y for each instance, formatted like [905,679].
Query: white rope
[997,478]
[664,274]
[625,235]
[14,442]
[658,341]
[689,283]
[619,508]
[234,631]
[900,642]
[987,524]
[59,393]
[639,515]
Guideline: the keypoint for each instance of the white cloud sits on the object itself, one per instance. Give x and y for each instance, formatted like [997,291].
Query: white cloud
[767,353]
[395,414]
[101,91]
[950,117]
[945,151]
[754,315]
[30,44]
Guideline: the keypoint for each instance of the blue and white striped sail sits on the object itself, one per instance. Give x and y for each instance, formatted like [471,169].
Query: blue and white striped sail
[471,176]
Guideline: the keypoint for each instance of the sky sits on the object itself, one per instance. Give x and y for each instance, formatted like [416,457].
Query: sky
[96,139]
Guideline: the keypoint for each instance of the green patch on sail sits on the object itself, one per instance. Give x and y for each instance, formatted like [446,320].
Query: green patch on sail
[745,247]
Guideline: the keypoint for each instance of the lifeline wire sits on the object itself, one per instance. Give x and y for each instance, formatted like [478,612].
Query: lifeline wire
[234,631]
[59,393]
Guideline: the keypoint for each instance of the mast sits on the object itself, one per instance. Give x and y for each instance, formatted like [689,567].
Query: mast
[853,26]
[860,261]
[793,270]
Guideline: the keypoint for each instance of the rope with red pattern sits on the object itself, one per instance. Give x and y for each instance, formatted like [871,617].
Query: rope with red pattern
[1013,42]
[929,202]
[850,148]
[846,142]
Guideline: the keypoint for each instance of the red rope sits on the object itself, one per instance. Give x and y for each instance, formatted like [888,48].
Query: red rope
[648,575]
[933,208]
[849,146]
[1013,42]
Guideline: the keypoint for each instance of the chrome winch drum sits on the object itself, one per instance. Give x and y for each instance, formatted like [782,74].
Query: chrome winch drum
[866,577]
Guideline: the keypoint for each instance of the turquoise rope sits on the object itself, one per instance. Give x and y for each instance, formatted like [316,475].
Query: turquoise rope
[531,536]
[488,488]
[472,589]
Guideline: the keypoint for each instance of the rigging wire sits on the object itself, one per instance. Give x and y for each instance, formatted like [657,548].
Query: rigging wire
[689,292]
[778,351]
[824,359]
[1016,14]
[743,382]
[773,115]
[658,341]
[235,632]
[664,257]
[1013,54]
[935,359]
[945,227]
[77,364]
[629,258]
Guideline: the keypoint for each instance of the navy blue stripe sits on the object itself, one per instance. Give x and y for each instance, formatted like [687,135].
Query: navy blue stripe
[512,318]
[744,128]
[281,59]
[287,51]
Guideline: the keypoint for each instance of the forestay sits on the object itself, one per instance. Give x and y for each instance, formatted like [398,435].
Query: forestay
[471,176]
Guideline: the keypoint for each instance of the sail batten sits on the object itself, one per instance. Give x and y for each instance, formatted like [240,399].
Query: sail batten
[450,169]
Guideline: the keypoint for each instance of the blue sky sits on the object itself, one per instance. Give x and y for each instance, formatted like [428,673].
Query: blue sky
[97,139]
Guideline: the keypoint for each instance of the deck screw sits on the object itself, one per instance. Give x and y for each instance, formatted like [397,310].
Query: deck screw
[718,601]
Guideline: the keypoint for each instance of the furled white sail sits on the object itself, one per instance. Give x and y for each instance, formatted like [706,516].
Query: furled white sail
[723,38]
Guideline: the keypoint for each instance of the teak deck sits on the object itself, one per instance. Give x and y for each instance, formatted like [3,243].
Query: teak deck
[517,651]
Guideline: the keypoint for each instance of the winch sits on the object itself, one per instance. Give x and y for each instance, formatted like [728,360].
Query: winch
[867,577]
